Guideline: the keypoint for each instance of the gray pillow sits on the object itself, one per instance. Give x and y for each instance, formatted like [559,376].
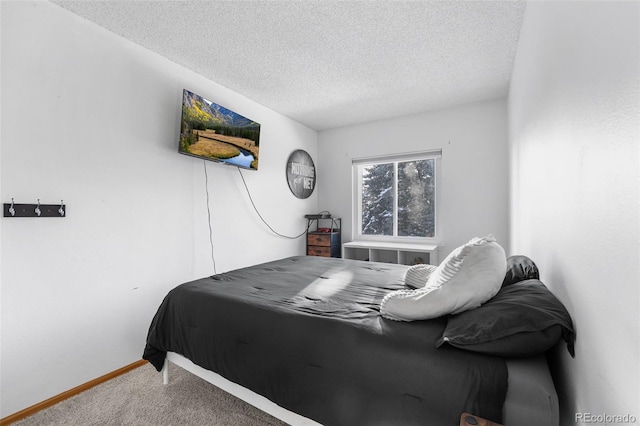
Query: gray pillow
[520,268]
[523,319]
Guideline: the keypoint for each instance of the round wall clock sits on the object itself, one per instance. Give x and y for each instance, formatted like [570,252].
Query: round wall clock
[301,174]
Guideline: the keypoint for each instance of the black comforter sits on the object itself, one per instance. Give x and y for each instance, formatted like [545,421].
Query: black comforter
[306,333]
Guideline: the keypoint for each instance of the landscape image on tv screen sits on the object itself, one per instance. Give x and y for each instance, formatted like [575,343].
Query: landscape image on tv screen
[212,132]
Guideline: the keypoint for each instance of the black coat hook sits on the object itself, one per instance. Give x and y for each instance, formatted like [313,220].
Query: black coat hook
[35,210]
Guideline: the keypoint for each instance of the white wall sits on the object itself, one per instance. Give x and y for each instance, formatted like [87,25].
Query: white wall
[93,119]
[474,192]
[574,110]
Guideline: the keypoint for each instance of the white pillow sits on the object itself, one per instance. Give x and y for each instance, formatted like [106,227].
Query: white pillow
[469,276]
[418,275]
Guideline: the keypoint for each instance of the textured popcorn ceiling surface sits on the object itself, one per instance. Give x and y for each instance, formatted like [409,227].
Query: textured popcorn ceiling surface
[328,64]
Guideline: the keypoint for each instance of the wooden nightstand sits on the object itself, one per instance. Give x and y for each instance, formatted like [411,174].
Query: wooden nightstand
[471,420]
[324,242]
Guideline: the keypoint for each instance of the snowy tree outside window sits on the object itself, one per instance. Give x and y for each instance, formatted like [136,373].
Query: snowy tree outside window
[396,198]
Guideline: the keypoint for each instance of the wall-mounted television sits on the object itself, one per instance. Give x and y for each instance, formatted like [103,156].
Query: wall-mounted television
[213,132]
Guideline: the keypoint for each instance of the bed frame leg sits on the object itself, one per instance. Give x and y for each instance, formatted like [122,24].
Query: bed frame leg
[165,372]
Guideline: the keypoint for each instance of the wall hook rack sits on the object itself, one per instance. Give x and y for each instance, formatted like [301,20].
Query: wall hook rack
[35,210]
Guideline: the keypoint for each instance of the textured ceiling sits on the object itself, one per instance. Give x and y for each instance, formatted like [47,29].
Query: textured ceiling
[330,63]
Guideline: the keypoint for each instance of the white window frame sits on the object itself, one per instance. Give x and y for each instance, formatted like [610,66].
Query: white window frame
[358,164]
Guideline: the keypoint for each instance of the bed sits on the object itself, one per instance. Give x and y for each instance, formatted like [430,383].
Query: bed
[302,338]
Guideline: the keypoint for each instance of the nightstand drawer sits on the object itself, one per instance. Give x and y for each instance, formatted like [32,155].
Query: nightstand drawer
[319,239]
[319,251]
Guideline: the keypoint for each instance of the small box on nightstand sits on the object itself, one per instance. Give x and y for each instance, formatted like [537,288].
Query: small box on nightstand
[467,419]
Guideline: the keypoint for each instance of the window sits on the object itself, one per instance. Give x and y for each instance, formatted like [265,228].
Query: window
[395,197]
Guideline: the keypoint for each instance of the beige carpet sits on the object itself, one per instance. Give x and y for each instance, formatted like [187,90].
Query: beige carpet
[139,398]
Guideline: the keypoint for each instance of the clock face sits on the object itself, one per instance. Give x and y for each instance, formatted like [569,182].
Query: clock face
[301,174]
